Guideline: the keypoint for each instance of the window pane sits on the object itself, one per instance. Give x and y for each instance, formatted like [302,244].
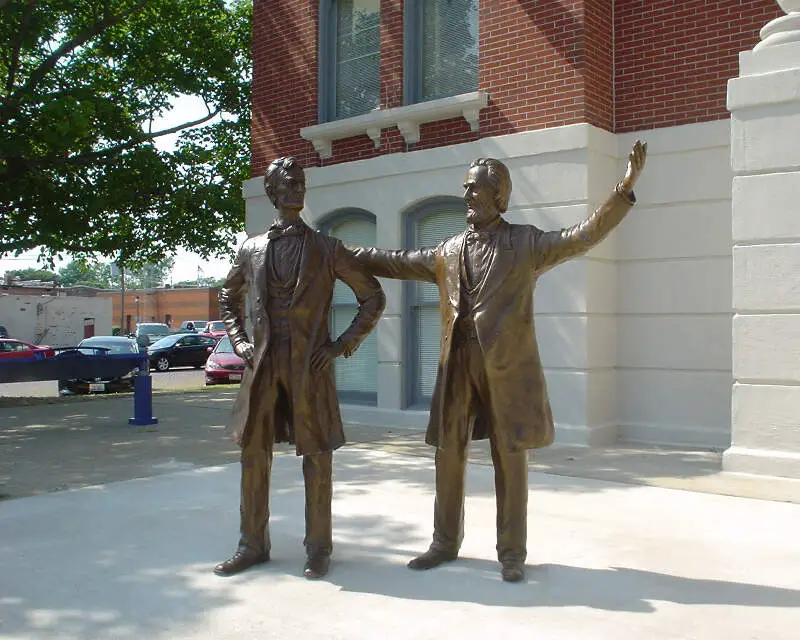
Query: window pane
[357,57]
[359,372]
[426,326]
[428,329]
[449,48]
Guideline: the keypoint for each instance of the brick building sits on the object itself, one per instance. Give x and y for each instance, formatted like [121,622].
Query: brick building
[386,102]
[164,304]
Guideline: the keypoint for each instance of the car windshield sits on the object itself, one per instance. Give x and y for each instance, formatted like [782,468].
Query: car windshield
[154,329]
[113,346]
[215,326]
[225,346]
[167,341]
[199,325]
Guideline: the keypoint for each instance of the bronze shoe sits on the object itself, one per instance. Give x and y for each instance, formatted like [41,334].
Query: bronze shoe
[316,566]
[243,559]
[513,571]
[431,558]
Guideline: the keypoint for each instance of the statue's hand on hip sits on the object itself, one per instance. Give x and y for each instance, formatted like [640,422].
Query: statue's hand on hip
[246,351]
[325,355]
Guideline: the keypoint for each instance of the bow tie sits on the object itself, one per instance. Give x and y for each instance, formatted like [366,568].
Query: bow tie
[482,235]
[276,231]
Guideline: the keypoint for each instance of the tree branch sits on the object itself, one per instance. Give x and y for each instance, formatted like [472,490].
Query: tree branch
[12,68]
[67,47]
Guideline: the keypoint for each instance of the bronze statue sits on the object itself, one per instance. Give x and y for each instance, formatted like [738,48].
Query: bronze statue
[490,381]
[287,392]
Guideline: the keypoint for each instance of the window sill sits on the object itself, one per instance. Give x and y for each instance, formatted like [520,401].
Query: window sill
[407,119]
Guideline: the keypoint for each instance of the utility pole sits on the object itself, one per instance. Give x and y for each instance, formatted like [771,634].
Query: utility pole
[122,331]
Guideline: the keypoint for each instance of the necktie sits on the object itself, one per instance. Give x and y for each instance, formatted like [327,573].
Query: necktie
[276,231]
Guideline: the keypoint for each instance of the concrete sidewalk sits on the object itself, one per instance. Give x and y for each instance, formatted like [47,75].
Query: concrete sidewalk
[606,561]
[55,444]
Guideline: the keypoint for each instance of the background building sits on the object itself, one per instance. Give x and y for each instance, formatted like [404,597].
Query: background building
[387,101]
[42,316]
[164,304]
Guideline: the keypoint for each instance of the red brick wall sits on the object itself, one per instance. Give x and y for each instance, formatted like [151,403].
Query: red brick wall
[156,304]
[674,58]
[544,63]
[599,71]
[284,90]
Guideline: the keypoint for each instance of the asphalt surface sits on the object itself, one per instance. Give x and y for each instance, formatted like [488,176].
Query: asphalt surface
[183,378]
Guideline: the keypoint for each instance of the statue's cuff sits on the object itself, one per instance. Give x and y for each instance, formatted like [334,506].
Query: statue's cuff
[627,196]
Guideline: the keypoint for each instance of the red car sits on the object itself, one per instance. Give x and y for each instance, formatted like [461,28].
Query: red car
[223,365]
[215,329]
[10,348]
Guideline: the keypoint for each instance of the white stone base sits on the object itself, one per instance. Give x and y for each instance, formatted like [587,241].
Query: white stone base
[783,464]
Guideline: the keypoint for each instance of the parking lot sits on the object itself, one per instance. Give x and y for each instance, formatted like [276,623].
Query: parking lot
[186,378]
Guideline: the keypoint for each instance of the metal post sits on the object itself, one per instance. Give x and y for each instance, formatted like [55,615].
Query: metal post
[143,394]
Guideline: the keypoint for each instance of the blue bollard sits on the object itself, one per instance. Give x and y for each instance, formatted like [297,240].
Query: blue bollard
[143,395]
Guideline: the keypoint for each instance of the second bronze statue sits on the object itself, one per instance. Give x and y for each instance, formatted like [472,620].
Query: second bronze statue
[490,381]
[287,392]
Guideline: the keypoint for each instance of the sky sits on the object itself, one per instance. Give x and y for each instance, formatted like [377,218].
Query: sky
[186,264]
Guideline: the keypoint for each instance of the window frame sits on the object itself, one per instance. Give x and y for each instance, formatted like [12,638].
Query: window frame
[326,72]
[412,53]
[325,225]
[413,398]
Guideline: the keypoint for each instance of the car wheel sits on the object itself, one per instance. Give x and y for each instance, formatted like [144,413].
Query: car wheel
[162,364]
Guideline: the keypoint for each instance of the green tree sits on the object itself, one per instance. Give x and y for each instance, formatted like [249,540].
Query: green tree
[32,274]
[81,84]
[150,275]
[83,272]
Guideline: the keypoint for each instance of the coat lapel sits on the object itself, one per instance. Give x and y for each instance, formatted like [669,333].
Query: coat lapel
[501,264]
[305,273]
[453,264]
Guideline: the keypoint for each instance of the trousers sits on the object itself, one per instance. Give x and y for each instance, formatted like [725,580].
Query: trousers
[468,395]
[256,464]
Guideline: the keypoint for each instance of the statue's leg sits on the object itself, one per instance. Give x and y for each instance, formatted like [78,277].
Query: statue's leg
[256,466]
[511,489]
[451,464]
[317,473]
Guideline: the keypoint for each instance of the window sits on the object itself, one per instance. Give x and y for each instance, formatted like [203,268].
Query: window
[441,48]
[428,225]
[349,58]
[356,376]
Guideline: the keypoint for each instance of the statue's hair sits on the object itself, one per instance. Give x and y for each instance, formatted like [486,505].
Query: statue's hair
[499,177]
[273,174]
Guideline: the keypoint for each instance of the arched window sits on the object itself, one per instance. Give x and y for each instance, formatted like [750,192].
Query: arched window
[356,376]
[427,225]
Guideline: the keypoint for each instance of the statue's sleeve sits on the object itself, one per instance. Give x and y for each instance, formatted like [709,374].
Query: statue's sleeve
[550,248]
[415,264]
[368,292]
[231,298]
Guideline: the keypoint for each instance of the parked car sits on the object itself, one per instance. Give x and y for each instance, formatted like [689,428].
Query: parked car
[194,325]
[99,345]
[10,348]
[180,350]
[148,332]
[216,329]
[223,365]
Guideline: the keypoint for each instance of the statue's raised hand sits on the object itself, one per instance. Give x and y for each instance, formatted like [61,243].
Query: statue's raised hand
[636,160]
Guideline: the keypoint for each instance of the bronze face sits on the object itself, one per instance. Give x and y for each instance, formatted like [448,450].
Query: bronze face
[480,194]
[291,191]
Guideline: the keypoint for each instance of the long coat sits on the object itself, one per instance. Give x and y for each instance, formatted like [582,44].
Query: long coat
[315,424]
[503,318]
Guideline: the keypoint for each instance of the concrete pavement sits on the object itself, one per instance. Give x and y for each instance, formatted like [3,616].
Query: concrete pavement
[606,561]
[122,525]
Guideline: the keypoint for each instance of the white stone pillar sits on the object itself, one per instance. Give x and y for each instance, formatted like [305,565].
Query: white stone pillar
[764,102]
